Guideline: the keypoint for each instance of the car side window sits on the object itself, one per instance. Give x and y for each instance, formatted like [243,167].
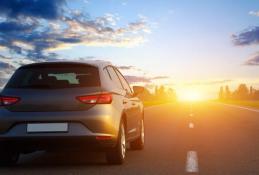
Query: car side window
[114,77]
[123,81]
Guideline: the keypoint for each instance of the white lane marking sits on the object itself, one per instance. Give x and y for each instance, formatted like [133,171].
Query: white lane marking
[241,107]
[132,130]
[191,125]
[192,162]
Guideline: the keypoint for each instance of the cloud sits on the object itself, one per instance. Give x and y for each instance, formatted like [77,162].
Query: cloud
[248,37]
[131,68]
[133,72]
[47,9]
[10,27]
[108,19]
[137,79]
[253,60]
[160,77]
[254,13]
[140,25]
[6,69]
[4,65]
[36,28]
[2,82]
[126,67]
[143,79]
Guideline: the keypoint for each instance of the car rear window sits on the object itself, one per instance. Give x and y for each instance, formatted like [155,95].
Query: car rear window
[55,76]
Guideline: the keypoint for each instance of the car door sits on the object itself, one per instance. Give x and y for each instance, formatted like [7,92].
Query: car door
[127,107]
[135,105]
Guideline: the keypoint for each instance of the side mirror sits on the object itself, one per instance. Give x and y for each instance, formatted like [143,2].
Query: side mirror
[138,90]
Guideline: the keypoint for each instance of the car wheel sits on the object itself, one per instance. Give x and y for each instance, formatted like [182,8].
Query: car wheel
[138,144]
[117,155]
[8,157]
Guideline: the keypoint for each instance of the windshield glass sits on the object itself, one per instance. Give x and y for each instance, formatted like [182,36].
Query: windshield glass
[55,77]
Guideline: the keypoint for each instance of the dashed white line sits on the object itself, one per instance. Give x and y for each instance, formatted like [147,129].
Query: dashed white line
[192,156]
[132,130]
[191,125]
[192,162]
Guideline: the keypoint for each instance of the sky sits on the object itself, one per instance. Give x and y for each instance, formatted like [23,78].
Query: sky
[189,45]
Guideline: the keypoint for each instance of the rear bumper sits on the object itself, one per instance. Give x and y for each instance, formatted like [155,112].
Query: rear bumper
[99,119]
[84,127]
[77,137]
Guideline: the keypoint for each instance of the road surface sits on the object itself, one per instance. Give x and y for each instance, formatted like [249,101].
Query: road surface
[205,138]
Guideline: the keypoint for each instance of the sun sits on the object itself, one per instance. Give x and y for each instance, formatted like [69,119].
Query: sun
[190,95]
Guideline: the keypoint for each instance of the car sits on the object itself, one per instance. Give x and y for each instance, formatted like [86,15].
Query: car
[82,106]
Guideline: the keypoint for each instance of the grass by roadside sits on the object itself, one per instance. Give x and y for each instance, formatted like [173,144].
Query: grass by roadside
[247,103]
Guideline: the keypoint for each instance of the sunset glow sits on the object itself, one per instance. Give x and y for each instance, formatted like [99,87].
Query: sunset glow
[90,79]
[190,95]
[176,46]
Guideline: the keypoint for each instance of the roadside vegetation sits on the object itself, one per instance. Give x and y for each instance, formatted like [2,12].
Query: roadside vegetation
[242,96]
[161,95]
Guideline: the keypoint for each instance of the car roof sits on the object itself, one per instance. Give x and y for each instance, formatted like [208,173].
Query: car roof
[96,63]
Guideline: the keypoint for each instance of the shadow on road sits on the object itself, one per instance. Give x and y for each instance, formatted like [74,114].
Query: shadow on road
[60,159]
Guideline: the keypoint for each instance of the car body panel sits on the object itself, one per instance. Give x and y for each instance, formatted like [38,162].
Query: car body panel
[86,121]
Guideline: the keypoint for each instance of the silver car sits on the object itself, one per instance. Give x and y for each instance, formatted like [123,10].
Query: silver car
[70,105]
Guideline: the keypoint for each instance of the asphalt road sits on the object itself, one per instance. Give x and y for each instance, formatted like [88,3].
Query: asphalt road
[207,138]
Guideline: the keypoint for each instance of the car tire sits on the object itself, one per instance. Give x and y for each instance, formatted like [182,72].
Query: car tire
[139,143]
[8,157]
[118,153]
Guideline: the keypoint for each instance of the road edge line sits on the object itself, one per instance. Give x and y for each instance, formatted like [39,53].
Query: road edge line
[240,107]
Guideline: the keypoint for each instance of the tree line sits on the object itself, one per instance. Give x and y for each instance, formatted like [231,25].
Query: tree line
[160,94]
[243,92]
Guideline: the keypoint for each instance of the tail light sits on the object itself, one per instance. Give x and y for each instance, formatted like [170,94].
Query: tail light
[96,99]
[7,101]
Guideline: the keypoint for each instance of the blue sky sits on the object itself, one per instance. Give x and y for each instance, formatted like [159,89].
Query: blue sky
[197,44]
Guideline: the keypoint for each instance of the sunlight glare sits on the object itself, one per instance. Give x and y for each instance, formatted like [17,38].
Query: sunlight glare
[190,95]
